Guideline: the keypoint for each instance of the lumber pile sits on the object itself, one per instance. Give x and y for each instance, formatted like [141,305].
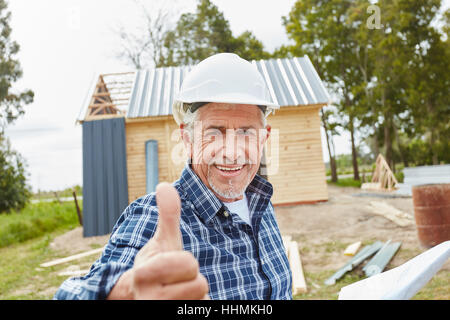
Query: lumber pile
[293,254]
[397,216]
[383,178]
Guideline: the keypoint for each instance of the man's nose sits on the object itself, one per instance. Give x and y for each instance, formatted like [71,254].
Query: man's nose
[232,149]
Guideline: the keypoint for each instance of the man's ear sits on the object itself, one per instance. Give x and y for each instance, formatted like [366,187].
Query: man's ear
[267,135]
[186,138]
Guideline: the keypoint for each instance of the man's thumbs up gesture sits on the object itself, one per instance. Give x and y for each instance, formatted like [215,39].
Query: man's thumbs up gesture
[162,270]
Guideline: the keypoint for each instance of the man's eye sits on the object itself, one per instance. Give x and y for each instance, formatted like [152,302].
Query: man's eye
[246,132]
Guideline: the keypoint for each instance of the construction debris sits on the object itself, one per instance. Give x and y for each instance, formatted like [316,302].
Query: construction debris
[400,283]
[383,178]
[73,273]
[384,252]
[293,254]
[421,175]
[71,258]
[377,264]
[286,242]
[399,217]
[365,253]
[298,278]
[352,249]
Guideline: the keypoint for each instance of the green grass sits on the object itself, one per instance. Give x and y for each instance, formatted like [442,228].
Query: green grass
[438,288]
[21,277]
[346,182]
[61,193]
[317,290]
[36,220]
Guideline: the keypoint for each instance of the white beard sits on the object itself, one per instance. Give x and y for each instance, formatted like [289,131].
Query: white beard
[229,192]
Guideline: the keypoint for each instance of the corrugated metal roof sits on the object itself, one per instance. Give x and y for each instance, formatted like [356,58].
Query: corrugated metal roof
[154,91]
[291,82]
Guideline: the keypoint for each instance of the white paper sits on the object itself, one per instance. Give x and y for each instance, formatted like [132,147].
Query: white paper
[402,282]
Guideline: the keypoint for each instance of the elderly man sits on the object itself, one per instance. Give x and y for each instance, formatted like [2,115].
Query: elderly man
[213,233]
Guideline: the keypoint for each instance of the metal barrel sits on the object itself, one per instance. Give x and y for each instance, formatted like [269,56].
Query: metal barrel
[432,213]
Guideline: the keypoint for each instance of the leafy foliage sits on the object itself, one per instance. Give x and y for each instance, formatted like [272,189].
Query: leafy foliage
[35,220]
[206,32]
[11,104]
[14,191]
[390,81]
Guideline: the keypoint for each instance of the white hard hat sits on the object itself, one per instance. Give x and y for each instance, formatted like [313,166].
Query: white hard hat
[223,78]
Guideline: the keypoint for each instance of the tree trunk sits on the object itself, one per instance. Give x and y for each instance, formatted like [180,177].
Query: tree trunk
[376,144]
[401,150]
[388,140]
[334,176]
[354,151]
[434,152]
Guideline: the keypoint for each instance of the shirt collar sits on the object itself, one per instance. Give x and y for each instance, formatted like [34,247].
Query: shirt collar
[204,200]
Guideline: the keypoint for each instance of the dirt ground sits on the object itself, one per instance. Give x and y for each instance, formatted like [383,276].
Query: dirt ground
[323,230]
[342,220]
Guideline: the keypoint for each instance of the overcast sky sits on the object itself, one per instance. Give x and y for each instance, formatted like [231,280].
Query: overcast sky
[63,43]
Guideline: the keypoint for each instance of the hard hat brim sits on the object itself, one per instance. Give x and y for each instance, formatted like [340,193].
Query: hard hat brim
[234,99]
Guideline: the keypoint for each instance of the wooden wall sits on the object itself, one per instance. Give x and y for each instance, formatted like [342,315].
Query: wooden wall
[162,129]
[301,171]
[301,175]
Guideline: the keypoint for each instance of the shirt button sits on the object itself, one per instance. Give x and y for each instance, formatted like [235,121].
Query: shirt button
[226,214]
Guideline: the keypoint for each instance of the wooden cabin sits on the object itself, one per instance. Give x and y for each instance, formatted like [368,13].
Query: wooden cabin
[131,113]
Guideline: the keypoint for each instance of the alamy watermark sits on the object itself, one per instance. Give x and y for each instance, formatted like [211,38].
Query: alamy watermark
[374,20]
[242,147]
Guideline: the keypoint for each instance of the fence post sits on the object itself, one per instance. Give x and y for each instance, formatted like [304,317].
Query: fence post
[80,218]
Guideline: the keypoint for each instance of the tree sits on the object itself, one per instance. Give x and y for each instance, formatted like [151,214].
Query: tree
[330,127]
[11,104]
[389,73]
[14,192]
[193,38]
[428,89]
[321,30]
[145,48]
[206,32]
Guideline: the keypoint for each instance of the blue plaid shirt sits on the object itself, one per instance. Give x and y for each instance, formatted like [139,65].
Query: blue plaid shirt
[239,261]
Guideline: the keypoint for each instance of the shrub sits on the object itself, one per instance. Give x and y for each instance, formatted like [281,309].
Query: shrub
[35,220]
[14,191]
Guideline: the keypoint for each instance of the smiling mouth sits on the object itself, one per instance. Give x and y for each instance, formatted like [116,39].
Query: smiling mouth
[229,170]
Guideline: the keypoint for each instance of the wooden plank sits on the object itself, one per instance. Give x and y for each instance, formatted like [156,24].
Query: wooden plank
[298,278]
[371,186]
[352,249]
[286,243]
[72,273]
[399,217]
[71,258]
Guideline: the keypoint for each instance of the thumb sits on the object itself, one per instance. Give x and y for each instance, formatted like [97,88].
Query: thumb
[168,233]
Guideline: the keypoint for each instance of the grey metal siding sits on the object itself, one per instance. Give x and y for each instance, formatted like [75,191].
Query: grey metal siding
[105,187]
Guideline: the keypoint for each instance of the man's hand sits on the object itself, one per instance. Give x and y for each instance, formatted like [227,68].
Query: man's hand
[162,270]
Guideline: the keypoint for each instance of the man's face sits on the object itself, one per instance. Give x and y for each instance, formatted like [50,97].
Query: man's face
[226,147]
